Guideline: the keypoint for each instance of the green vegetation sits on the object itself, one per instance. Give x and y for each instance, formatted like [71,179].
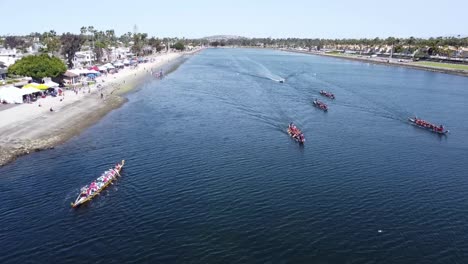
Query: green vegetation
[139,42]
[179,45]
[451,66]
[51,42]
[71,44]
[38,67]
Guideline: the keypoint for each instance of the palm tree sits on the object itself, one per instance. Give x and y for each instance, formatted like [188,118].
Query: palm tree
[83,30]
[410,42]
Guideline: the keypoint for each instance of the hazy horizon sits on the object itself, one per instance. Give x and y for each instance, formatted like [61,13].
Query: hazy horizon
[296,19]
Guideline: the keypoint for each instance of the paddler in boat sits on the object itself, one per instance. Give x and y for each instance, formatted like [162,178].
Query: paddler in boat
[93,186]
[84,191]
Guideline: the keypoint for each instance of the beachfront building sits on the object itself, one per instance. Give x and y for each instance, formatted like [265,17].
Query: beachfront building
[84,58]
[69,77]
[8,56]
[3,72]
[116,53]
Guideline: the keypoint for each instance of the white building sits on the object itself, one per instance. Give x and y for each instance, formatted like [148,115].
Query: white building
[8,56]
[84,58]
[117,53]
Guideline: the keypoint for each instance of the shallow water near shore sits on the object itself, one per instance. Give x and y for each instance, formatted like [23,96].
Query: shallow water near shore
[211,175]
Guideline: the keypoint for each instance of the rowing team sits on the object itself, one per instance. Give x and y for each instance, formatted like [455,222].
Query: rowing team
[327,94]
[100,182]
[320,105]
[426,124]
[296,133]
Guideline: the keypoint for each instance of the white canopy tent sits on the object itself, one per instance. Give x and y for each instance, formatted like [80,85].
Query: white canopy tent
[93,72]
[51,84]
[109,66]
[76,71]
[13,95]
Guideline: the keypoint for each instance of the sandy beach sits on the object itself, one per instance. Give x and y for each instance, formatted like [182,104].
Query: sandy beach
[33,127]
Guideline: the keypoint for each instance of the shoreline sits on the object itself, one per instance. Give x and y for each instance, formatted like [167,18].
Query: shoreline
[383,61]
[27,128]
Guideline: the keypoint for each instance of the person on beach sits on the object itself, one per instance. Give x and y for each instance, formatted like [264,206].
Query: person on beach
[102,95]
[51,109]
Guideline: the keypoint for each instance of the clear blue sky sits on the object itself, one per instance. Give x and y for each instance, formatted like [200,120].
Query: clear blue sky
[250,18]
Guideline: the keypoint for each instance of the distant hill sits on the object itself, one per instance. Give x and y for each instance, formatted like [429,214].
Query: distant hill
[223,37]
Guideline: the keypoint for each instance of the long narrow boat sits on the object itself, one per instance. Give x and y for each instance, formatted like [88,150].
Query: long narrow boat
[428,126]
[327,94]
[296,134]
[320,105]
[89,192]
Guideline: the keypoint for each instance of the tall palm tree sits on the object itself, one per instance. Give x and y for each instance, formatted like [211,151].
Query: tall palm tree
[83,30]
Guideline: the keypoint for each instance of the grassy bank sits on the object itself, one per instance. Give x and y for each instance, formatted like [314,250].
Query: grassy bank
[442,65]
[447,68]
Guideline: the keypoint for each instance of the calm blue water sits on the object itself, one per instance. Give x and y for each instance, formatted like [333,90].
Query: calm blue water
[212,177]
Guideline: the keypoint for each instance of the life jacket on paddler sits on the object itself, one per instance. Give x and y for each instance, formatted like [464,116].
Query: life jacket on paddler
[93,186]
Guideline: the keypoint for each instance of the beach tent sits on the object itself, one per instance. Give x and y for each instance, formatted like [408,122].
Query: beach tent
[102,68]
[37,86]
[109,66]
[42,87]
[13,95]
[51,84]
[70,77]
[70,74]
[94,72]
[77,72]
[30,90]
[10,96]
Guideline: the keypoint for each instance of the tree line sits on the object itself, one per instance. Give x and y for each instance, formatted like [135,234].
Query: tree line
[90,38]
[438,45]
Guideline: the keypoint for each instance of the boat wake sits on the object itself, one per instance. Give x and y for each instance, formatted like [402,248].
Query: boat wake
[264,72]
